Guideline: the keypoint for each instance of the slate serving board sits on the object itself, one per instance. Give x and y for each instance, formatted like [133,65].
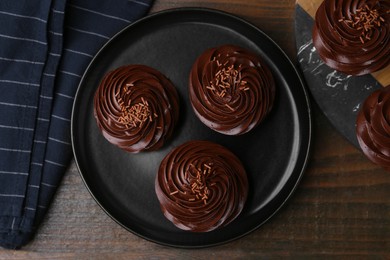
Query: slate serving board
[338,95]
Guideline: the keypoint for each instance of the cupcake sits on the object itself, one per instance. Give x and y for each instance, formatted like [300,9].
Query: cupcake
[136,108]
[353,37]
[231,89]
[373,127]
[201,186]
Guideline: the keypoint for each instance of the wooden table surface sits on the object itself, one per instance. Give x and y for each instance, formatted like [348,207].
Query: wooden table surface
[340,209]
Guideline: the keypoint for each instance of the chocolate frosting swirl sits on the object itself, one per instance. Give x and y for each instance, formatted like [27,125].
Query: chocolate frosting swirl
[352,36]
[201,186]
[373,127]
[231,89]
[136,108]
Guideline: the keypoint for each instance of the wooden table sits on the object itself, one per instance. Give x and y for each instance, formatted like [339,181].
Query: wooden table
[341,207]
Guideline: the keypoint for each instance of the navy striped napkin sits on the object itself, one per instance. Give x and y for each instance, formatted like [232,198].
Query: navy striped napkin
[45,46]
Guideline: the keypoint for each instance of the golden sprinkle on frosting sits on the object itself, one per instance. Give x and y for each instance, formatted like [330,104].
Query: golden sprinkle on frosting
[227,80]
[197,182]
[134,115]
[365,20]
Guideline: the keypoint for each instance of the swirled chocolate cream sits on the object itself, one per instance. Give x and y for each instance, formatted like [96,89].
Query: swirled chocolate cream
[373,127]
[201,186]
[231,89]
[136,108]
[353,37]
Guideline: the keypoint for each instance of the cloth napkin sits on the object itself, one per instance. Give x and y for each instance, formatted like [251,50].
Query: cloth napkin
[45,47]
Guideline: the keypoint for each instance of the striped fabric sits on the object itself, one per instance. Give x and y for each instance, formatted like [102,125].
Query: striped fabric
[45,46]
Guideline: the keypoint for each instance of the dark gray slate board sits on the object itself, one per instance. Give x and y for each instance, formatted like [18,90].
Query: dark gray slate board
[338,95]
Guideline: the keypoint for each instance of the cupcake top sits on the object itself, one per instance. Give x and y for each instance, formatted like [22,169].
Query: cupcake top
[373,127]
[136,108]
[231,89]
[201,186]
[353,37]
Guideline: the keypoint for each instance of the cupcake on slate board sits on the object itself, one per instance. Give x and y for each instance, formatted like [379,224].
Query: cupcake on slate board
[201,186]
[353,37]
[136,108]
[231,89]
[373,127]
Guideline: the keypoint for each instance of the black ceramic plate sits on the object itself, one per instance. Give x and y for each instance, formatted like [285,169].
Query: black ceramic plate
[274,154]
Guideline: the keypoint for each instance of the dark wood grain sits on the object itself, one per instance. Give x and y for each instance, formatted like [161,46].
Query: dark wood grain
[340,209]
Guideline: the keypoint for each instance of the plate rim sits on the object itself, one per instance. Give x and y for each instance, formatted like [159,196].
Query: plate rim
[294,70]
